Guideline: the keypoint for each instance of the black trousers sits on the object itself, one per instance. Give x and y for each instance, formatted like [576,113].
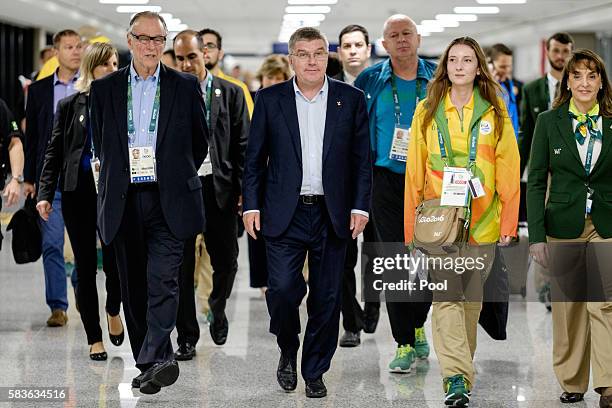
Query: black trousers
[222,246]
[258,264]
[187,325]
[352,313]
[310,231]
[149,259]
[79,211]
[387,219]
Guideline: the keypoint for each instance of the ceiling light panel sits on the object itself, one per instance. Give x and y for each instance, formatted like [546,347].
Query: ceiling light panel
[476,10]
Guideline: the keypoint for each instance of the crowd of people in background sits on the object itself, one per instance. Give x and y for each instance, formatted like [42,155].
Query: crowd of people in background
[167,160]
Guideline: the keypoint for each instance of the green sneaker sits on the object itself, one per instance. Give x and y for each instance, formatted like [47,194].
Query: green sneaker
[403,361]
[421,346]
[457,391]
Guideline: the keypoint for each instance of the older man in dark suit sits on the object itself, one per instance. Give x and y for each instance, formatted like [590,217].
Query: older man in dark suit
[307,185]
[149,203]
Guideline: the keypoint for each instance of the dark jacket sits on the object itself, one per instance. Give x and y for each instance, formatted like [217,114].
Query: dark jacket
[39,125]
[534,101]
[273,170]
[64,151]
[229,127]
[554,150]
[182,137]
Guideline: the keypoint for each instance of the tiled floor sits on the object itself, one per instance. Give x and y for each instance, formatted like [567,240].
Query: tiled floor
[512,373]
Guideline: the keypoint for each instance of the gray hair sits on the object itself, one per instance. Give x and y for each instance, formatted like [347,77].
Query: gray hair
[147,14]
[306,34]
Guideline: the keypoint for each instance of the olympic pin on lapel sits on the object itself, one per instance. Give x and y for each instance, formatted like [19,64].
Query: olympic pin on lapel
[81,118]
[339,103]
[217,92]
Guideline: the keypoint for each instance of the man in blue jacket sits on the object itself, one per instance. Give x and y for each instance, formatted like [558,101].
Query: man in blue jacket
[393,88]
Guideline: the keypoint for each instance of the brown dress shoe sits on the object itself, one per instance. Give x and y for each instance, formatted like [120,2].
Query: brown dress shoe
[605,401]
[58,318]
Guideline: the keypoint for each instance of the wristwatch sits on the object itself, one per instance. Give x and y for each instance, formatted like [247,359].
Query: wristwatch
[19,178]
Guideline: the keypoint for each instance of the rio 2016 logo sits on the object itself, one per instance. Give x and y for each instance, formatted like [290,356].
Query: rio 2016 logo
[433,218]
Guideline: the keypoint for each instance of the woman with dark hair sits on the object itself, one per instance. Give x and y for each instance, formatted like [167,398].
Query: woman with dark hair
[463,128]
[572,143]
[69,159]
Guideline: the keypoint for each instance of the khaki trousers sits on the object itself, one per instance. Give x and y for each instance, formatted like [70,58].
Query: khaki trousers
[582,331]
[455,314]
[202,274]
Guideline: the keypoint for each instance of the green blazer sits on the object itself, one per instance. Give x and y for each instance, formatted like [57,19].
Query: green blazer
[554,149]
[535,101]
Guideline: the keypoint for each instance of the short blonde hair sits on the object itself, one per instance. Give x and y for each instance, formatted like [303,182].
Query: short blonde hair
[274,64]
[95,55]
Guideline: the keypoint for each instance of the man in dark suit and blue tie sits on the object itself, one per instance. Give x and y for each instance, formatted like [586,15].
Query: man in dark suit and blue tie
[150,135]
[306,185]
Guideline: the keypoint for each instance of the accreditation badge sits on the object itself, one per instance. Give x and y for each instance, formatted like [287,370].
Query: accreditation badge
[142,164]
[455,187]
[399,147]
[95,169]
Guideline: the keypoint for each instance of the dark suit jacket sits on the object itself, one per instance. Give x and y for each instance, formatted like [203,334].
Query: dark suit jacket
[181,147]
[554,149]
[229,126]
[39,125]
[64,151]
[273,170]
[534,101]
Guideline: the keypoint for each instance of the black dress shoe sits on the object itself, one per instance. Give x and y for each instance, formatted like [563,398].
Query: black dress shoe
[370,319]
[571,397]
[218,330]
[158,376]
[286,373]
[185,352]
[136,381]
[116,339]
[316,388]
[98,356]
[350,339]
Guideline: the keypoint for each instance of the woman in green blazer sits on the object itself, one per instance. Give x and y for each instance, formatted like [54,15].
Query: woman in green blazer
[572,142]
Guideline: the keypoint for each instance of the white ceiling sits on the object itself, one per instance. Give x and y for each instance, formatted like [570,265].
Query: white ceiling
[251,26]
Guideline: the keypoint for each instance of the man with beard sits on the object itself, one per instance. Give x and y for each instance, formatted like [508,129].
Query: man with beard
[214,55]
[538,97]
[539,94]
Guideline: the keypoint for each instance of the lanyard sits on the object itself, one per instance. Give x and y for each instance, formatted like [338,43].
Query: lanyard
[209,81]
[473,146]
[130,111]
[396,102]
[589,156]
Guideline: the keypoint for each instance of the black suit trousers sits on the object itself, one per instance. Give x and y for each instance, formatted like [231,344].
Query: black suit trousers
[387,219]
[79,210]
[221,242]
[310,231]
[352,313]
[149,259]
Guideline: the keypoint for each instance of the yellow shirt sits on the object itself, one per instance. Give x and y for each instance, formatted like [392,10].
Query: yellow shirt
[247,94]
[497,166]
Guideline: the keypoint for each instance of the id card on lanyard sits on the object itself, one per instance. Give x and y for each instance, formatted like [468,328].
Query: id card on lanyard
[142,158]
[401,133]
[459,184]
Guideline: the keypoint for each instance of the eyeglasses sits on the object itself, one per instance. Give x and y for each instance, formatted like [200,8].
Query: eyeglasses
[305,56]
[145,39]
[211,46]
